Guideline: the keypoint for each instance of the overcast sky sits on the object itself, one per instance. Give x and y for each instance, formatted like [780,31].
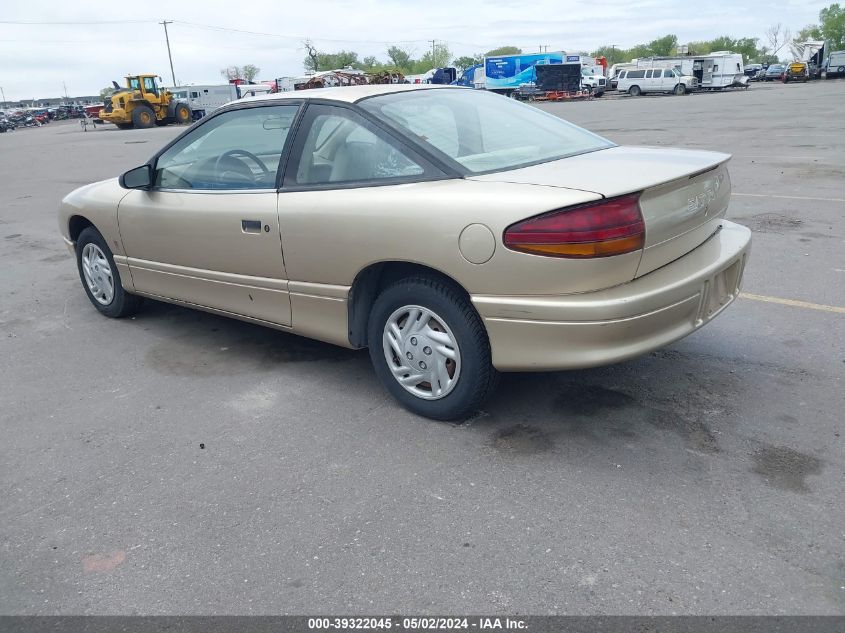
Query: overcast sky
[36,58]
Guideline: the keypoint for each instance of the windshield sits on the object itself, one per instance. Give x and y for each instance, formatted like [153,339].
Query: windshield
[483,131]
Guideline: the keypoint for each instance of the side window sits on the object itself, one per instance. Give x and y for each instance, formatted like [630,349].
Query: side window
[716,68]
[648,74]
[658,74]
[341,146]
[240,149]
[149,84]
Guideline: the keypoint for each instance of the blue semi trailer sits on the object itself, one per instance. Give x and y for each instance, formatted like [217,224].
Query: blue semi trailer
[506,73]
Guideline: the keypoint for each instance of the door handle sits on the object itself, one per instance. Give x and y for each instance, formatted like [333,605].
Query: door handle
[251,226]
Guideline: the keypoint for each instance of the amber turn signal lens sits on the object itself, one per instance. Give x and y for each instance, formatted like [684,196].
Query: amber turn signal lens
[598,229]
[584,249]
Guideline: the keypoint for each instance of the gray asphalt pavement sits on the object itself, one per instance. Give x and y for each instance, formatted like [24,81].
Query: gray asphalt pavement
[706,478]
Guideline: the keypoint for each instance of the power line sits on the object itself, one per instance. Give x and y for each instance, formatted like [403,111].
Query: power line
[225,29]
[295,37]
[75,22]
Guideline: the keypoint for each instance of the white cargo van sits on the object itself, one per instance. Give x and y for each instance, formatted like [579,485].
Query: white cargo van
[640,81]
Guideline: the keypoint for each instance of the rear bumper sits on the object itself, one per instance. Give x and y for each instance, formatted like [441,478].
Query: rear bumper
[529,333]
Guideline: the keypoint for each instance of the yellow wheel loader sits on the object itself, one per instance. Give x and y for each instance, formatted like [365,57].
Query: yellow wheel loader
[143,104]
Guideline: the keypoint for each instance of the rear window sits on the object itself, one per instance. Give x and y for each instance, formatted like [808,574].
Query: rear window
[482,131]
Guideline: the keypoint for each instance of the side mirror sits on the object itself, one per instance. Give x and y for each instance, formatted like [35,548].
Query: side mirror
[138,178]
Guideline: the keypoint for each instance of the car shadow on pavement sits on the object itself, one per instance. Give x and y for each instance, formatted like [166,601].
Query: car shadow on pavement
[195,343]
[690,397]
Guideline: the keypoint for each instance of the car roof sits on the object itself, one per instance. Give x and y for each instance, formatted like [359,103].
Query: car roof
[349,94]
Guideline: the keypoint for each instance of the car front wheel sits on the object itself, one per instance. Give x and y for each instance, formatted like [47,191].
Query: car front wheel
[100,277]
[430,349]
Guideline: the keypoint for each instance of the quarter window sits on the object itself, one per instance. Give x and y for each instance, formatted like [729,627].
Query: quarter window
[236,150]
[636,74]
[340,146]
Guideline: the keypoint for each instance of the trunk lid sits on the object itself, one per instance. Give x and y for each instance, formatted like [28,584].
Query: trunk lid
[685,193]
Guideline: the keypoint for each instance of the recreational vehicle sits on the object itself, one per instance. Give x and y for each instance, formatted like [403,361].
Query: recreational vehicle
[205,99]
[715,71]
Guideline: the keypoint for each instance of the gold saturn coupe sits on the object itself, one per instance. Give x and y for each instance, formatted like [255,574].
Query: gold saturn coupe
[453,232]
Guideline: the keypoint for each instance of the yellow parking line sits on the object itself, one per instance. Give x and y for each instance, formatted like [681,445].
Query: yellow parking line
[793,302]
[766,195]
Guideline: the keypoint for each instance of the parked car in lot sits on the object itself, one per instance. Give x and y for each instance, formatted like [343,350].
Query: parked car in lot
[752,71]
[774,72]
[640,81]
[453,232]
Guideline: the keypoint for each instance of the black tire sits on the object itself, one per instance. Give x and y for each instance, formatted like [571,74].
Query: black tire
[477,377]
[634,91]
[598,94]
[680,89]
[143,117]
[182,114]
[123,304]
[124,126]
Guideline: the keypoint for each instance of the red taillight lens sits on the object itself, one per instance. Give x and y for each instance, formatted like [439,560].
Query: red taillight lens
[598,229]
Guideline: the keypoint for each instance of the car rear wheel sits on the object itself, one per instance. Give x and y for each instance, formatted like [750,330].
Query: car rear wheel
[100,277]
[430,349]
[634,91]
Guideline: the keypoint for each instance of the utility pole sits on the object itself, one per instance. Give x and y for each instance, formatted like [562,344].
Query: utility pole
[164,23]
[4,96]
[64,86]
[432,51]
